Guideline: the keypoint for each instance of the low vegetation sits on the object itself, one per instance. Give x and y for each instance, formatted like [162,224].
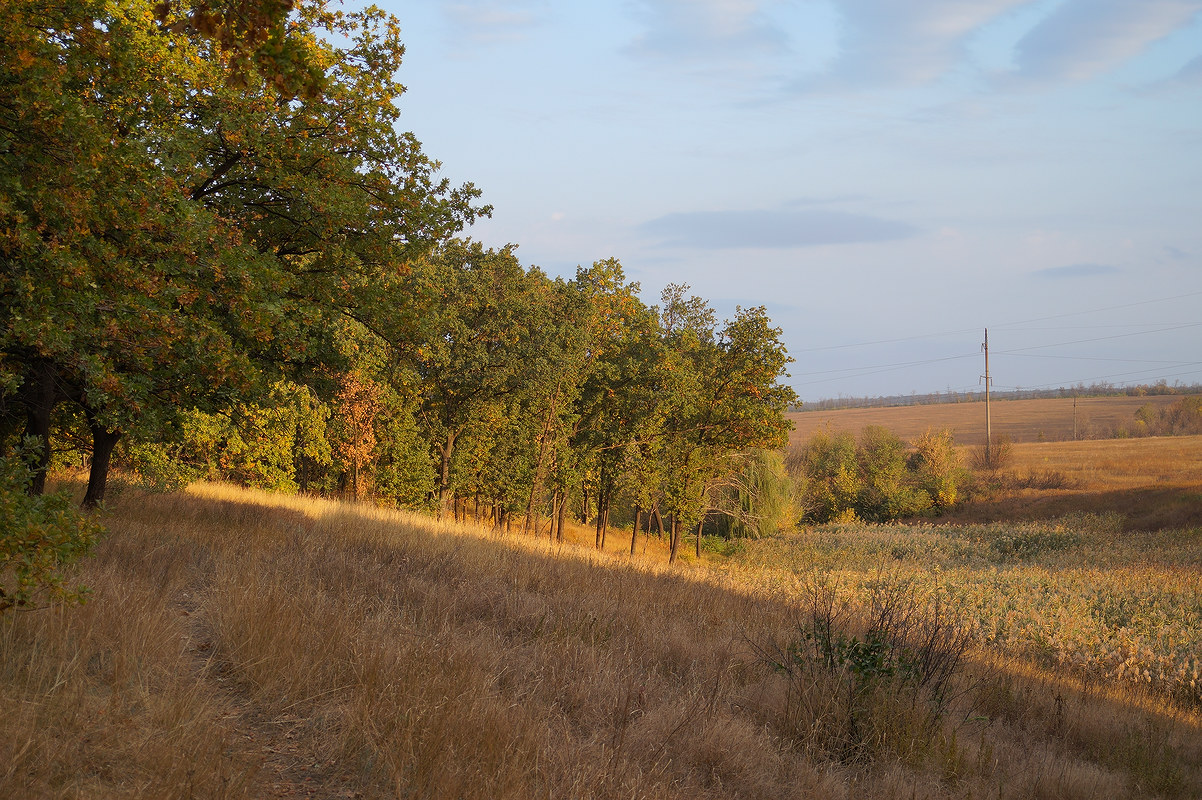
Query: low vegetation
[878,477]
[240,644]
[41,536]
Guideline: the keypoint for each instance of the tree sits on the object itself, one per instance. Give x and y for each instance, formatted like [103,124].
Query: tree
[170,239]
[724,397]
[476,310]
[617,388]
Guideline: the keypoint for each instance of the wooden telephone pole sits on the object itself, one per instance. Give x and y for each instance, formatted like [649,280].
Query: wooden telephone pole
[988,433]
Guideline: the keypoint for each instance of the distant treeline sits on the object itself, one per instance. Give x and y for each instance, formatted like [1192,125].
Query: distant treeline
[1102,389]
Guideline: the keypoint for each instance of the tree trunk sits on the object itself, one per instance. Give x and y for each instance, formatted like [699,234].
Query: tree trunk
[674,542]
[103,442]
[700,524]
[444,473]
[634,535]
[563,516]
[659,520]
[40,395]
[600,505]
[558,498]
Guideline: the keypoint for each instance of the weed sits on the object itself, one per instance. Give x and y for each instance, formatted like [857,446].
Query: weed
[862,685]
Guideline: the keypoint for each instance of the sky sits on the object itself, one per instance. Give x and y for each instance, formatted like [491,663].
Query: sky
[887,177]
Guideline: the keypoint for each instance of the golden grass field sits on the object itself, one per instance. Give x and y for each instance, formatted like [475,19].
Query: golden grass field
[1021,420]
[1152,482]
[246,645]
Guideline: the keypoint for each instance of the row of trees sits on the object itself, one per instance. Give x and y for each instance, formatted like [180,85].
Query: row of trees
[218,256]
[521,396]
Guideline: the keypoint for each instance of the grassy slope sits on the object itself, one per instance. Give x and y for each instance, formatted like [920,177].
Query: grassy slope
[245,645]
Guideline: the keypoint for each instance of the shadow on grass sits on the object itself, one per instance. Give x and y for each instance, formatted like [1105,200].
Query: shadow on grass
[1149,508]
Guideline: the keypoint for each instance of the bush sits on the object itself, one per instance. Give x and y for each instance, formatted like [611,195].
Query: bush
[862,686]
[1000,455]
[874,479]
[40,537]
[937,467]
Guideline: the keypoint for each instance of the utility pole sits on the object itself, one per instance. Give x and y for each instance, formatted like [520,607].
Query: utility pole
[988,433]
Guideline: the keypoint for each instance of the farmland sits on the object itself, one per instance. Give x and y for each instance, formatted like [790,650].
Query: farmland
[1021,420]
[1149,483]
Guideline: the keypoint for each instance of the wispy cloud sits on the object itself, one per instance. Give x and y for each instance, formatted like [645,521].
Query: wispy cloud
[771,229]
[1083,38]
[887,43]
[1191,73]
[484,22]
[1077,271]
[705,29]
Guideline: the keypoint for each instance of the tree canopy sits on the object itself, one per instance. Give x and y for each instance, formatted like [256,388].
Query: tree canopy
[220,257]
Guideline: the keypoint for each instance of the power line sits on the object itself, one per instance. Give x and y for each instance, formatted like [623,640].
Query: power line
[1100,338]
[1174,362]
[885,368]
[1007,325]
[1107,308]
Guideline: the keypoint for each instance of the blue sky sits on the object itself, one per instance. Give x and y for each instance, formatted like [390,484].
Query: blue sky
[887,177]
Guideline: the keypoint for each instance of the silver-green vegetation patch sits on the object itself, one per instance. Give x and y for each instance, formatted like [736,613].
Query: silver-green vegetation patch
[1075,593]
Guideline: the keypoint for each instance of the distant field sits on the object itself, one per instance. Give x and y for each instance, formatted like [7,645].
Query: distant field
[1021,420]
[1152,483]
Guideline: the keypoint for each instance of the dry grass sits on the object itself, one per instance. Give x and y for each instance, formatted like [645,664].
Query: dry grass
[246,645]
[1153,483]
[1110,464]
[1021,420]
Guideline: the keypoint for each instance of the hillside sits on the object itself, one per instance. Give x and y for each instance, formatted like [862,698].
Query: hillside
[248,645]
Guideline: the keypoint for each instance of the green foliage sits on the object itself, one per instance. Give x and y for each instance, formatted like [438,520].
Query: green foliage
[259,445]
[404,467]
[758,500]
[40,537]
[937,465]
[173,239]
[877,478]
[221,258]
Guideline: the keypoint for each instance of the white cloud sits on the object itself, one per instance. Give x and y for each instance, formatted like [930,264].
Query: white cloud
[1084,38]
[771,229]
[889,43]
[706,29]
[484,22]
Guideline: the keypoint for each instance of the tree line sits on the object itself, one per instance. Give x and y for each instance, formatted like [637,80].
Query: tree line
[220,257]
[1097,389]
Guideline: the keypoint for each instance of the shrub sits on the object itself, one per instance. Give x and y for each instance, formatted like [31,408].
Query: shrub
[936,463]
[40,537]
[1000,454]
[861,686]
[888,490]
[874,479]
